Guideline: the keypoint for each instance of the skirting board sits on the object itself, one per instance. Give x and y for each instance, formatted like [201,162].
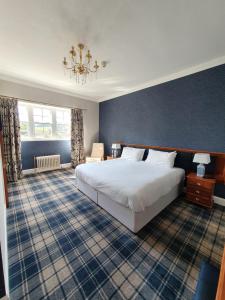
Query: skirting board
[219,200]
[32,171]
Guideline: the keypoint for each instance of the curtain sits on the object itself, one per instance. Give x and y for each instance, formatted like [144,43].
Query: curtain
[77,137]
[11,137]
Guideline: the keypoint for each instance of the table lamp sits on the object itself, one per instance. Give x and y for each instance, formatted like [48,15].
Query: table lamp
[115,150]
[202,159]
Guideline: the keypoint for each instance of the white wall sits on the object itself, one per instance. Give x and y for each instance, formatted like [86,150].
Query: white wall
[91,112]
[3,235]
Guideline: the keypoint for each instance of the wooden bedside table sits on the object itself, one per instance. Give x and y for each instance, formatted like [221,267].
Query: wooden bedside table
[110,157]
[200,190]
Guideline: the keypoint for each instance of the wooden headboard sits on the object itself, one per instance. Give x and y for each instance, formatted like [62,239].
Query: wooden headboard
[219,157]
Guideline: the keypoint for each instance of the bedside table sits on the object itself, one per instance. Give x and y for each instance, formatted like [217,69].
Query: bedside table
[200,190]
[110,157]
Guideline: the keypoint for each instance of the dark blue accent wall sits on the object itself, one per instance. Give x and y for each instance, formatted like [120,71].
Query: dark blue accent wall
[30,149]
[188,112]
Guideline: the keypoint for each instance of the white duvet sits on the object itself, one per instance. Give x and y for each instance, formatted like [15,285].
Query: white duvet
[132,184]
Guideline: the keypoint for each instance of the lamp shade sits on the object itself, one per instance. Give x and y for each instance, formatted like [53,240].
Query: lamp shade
[201,158]
[116,146]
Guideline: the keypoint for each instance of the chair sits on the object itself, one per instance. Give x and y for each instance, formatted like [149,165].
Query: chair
[97,153]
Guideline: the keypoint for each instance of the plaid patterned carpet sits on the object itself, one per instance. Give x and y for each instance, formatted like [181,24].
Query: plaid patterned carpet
[63,246]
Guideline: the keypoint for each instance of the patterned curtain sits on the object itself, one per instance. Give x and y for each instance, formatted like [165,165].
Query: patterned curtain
[11,137]
[77,137]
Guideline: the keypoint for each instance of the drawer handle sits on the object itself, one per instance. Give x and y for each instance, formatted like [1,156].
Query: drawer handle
[197,199]
[198,183]
[197,192]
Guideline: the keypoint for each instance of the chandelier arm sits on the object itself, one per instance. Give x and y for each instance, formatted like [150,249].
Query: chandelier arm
[76,64]
[80,56]
[92,70]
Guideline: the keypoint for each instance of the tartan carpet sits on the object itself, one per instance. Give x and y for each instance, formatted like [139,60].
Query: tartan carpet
[63,246]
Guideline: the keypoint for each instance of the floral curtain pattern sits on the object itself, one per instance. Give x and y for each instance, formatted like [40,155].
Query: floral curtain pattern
[77,137]
[11,137]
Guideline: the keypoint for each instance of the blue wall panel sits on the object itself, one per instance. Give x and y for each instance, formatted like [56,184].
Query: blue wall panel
[188,112]
[39,148]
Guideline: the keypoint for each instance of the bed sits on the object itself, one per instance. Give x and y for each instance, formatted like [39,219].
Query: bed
[133,192]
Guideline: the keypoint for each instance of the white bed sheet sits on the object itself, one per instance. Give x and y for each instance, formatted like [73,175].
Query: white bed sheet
[132,184]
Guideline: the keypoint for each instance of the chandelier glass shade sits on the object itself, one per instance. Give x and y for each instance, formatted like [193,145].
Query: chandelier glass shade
[80,64]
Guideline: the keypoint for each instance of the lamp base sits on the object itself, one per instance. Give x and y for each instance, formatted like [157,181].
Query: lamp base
[201,170]
[115,153]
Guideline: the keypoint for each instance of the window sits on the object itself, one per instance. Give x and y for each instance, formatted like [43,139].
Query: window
[62,125]
[41,122]
[42,118]
[24,122]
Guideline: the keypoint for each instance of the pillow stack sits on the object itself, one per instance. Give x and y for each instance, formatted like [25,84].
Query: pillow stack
[161,158]
[134,154]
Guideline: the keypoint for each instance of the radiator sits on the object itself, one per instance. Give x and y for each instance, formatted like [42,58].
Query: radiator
[46,163]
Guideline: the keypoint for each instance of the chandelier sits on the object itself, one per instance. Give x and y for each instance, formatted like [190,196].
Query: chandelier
[80,63]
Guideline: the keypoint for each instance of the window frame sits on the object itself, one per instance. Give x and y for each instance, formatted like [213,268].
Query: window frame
[31,123]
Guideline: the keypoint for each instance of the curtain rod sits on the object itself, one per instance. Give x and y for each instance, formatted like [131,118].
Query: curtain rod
[56,105]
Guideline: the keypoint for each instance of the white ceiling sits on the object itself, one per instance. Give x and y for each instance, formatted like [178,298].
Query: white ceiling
[145,41]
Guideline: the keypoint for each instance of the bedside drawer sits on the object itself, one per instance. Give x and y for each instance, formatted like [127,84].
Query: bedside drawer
[198,190]
[203,200]
[200,183]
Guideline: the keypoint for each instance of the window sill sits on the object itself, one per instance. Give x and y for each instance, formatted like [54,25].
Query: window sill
[44,140]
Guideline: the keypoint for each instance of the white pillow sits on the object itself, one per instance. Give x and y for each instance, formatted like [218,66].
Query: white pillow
[135,154]
[161,158]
